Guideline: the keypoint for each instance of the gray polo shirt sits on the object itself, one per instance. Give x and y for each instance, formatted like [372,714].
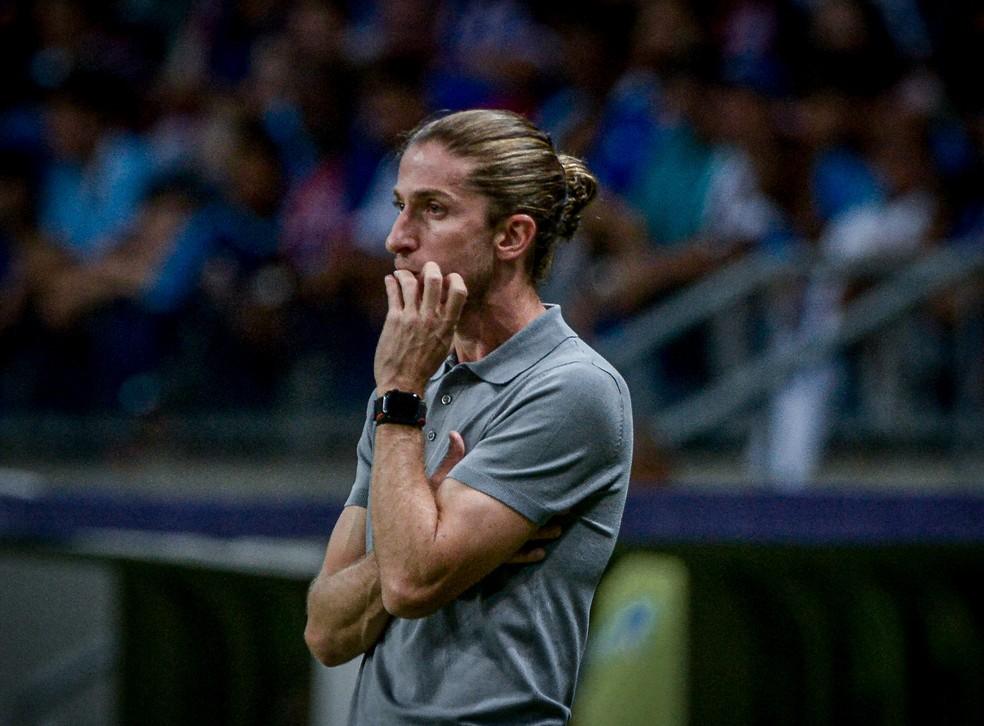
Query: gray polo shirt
[547,427]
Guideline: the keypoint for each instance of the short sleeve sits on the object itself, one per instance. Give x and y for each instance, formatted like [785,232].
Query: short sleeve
[562,437]
[359,496]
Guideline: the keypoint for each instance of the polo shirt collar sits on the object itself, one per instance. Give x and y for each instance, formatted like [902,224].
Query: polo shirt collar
[520,352]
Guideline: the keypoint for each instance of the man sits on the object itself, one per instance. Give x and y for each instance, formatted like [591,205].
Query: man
[430,568]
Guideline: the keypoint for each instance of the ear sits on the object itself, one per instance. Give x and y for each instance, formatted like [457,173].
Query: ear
[514,237]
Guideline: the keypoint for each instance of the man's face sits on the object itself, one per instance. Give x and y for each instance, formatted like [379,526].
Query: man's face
[440,219]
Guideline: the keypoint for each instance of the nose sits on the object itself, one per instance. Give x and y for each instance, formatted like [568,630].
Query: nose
[402,238]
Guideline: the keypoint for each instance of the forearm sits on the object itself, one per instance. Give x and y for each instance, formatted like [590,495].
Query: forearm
[345,614]
[406,518]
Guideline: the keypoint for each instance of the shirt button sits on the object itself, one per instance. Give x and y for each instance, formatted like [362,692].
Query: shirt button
[431,435]
[447,398]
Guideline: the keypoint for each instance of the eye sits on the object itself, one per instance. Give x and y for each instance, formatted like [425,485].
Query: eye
[399,205]
[435,209]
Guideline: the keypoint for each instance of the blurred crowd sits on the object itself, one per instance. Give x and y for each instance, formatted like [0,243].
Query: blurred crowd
[195,194]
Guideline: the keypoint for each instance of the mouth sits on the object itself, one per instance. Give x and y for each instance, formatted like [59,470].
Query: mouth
[402,266]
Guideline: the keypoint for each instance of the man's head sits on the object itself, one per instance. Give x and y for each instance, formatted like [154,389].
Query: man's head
[514,168]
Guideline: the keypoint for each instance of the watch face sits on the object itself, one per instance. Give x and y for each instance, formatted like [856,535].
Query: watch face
[398,404]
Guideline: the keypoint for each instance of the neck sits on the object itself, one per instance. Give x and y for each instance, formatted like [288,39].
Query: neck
[490,322]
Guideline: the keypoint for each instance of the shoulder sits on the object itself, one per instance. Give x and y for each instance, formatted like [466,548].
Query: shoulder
[577,395]
[577,364]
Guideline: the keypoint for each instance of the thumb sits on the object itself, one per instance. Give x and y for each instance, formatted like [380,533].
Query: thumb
[456,452]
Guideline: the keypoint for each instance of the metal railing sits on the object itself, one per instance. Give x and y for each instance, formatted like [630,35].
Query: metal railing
[716,408]
[898,293]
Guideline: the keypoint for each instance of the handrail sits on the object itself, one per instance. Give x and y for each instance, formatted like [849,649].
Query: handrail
[712,294]
[927,276]
[716,293]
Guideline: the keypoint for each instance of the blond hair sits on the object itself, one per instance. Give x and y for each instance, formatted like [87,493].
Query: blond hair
[517,168]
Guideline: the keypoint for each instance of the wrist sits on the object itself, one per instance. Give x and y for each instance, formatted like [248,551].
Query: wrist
[393,384]
[400,407]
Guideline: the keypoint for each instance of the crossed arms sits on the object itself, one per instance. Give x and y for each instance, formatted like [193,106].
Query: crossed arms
[433,539]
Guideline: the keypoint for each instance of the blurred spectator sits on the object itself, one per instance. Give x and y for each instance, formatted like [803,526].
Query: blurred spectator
[99,170]
[215,46]
[894,227]
[753,38]
[300,84]
[104,342]
[848,47]
[220,265]
[841,177]
[696,201]
[113,318]
[196,211]
[592,57]
[393,29]
[489,54]
[666,42]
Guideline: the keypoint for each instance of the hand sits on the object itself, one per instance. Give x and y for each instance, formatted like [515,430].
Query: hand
[533,550]
[456,452]
[419,327]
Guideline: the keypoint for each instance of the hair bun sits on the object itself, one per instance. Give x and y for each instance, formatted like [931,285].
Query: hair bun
[581,189]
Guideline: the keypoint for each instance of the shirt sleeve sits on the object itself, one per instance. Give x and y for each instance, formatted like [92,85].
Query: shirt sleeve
[359,496]
[562,437]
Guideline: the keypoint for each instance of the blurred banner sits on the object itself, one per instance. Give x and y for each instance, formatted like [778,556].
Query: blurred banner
[636,667]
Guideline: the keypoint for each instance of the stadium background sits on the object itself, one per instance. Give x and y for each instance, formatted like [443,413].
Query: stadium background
[786,264]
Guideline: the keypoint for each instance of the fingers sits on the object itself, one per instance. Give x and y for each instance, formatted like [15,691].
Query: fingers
[457,294]
[433,284]
[456,452]
[393,297]
[548,532]
[408,288]
[456,448]
[526,556]
[437,291]
[532,551]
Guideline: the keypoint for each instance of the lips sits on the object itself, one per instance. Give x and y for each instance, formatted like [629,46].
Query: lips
[416,273]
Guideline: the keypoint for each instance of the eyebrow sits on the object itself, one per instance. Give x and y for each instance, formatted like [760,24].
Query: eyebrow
[420,193]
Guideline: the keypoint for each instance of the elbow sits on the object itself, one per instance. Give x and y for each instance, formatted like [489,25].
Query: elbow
[323,647]
[404,599]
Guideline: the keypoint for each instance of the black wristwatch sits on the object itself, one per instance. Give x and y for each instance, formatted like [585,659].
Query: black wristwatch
[400,407]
